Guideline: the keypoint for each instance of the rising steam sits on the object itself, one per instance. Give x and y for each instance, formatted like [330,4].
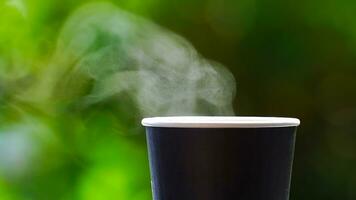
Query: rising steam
[104,55]
[128,55]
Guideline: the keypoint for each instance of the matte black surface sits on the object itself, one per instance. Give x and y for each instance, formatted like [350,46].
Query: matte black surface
[221,163]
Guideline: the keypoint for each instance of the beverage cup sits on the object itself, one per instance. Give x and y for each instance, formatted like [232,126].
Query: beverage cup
[220,158]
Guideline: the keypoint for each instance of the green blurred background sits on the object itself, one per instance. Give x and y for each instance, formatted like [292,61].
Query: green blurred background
[289,58]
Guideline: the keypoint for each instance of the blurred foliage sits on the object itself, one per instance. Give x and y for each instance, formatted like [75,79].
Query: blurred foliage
[289,59]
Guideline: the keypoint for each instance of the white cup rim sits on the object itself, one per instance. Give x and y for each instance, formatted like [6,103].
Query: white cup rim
[220,122]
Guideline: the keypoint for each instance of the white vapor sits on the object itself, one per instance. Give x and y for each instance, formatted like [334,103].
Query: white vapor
[128,55]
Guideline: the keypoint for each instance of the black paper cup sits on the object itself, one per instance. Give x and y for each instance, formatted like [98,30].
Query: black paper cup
[218,158]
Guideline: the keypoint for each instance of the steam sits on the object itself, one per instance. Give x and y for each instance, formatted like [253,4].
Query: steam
[104,53]
[128,55]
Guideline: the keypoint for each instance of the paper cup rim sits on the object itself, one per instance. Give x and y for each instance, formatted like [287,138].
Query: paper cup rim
[220,122]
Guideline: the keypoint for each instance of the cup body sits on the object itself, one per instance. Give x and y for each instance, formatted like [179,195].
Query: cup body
[218,163]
